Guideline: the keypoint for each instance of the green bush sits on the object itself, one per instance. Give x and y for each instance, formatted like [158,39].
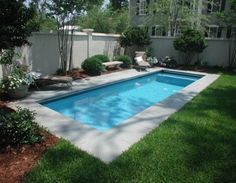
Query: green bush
[125,59]
[135,36]
[92,66]
[190,43]
[18,127]
[103,58]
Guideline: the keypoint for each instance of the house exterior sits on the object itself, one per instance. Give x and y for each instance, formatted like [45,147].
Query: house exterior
[141,13]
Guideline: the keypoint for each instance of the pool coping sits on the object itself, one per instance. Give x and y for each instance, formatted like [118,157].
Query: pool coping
[110,144]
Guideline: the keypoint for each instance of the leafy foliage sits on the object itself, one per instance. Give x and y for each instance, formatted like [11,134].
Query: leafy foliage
[119,4]
[135,36]
[92,66]
[104,20]
[18,76]
[7,56]
[125,59]
[16,23]
[173,15]
[190,43]
[18,128]
[227,18]
[102,58]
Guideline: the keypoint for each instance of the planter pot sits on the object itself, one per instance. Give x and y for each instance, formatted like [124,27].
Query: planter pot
[19,92]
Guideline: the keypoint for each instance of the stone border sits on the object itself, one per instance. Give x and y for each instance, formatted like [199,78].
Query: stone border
[110,144]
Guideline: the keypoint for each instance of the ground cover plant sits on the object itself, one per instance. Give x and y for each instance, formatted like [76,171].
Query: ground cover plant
[196,144]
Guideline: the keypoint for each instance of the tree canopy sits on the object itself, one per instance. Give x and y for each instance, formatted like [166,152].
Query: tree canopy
[104,20]
[16,23]
[174,15]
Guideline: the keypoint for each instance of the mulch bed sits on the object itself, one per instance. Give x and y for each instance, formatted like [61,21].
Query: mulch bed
[15,163]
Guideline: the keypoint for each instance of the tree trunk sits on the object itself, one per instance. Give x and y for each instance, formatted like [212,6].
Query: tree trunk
[71,49]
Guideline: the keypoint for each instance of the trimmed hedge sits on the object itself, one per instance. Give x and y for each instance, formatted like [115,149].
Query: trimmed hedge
[103,58]
[125,59]
[92,66]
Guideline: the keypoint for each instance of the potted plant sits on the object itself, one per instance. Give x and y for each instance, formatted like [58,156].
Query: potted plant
[16,84]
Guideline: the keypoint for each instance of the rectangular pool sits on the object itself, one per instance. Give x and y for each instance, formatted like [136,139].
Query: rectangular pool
[108,106]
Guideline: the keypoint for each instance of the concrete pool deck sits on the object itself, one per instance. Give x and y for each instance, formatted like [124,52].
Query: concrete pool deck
[110,144]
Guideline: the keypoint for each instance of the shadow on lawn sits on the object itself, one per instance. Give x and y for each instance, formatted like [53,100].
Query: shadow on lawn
[213,141]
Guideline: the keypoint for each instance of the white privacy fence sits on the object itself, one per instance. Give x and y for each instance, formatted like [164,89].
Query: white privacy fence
[43,55]
[216,54]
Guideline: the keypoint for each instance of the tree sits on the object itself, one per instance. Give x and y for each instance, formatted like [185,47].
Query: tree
[98,19]
[104,20]
[65,13]
[174,15]
[190,43]
[227,18]
[16,23]
[134,39]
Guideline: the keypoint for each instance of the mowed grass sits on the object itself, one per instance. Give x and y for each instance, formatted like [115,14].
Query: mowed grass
[196,144]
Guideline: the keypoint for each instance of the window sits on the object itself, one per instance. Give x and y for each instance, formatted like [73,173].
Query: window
[213,31]
[214,6]
[141,7]
[158,30]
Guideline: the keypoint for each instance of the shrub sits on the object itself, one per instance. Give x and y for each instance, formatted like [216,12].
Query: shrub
[135,36]
[190,43]
[18,127]
[103,58]
[125,59]
[92,66]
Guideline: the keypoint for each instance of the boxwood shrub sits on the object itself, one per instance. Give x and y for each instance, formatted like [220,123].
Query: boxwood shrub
[103,58]
[92,66]
[18,127]
[125,59]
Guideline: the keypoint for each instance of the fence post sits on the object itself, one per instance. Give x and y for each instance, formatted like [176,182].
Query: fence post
[89,40]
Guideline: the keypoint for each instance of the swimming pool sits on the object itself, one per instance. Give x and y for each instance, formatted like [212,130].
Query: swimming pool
[108,106]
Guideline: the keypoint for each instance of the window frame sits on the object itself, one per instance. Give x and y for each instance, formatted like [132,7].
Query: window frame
[142,7]
[162,30]
[209,32]
[213,5]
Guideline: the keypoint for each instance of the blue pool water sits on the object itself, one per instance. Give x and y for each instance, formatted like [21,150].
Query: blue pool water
[108,106]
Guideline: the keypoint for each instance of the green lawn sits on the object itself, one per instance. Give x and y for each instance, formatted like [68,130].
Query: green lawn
[196,144]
